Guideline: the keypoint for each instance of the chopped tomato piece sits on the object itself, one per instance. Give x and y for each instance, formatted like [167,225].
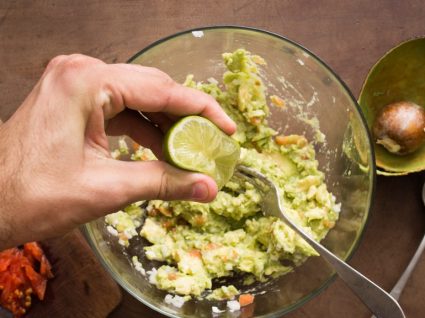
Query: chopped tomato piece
[168,225]
[37,281]
[246,299]
[211,246]
[195,253]
[255,121]
[4,264]
[45,267]
[34,249]
[172,276]
[199,220]
[19,277]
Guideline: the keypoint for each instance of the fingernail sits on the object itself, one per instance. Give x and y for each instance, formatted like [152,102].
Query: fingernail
[200,191]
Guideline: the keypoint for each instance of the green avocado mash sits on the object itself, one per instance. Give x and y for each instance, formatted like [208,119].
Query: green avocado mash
[199,242]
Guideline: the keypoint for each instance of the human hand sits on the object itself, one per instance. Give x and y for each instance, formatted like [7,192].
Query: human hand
[56,169]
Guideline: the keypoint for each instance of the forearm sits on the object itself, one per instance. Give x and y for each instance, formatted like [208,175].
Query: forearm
[7,190]
[18,208]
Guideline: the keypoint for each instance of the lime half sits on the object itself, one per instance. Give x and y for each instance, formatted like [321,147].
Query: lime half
[194,143]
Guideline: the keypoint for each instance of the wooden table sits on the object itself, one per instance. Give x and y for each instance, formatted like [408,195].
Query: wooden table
[349,35]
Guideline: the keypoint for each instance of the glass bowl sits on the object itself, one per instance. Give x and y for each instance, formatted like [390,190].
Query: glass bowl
[310,90]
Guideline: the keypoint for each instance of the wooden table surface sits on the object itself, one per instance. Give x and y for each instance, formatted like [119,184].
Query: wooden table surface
[349,35]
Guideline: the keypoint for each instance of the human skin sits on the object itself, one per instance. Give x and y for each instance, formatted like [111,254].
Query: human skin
[56,169]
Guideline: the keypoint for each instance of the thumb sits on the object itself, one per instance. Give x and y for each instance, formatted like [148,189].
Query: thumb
[158,180]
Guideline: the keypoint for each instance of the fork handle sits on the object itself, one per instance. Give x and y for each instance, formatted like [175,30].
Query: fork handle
[381,303]
[401,283]
[398,288]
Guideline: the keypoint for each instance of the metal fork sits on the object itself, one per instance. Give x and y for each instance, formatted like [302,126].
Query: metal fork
[381,303]
[401,283]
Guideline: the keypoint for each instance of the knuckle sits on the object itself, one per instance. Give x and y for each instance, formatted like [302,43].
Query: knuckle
[77,56]
[66,62]
[54,62]
[63,70]
[73,63]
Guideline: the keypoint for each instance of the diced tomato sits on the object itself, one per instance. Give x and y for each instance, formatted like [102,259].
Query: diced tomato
[135,146]
[211,246]
[4,264]
[34,250]
[37,281]
[168,225]
[19,278]
[199,220]
[255,121]
[172,276]
[195,253]
[45,267]
[246,299]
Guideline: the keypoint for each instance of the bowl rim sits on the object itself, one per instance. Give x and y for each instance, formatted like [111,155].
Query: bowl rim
[86,228]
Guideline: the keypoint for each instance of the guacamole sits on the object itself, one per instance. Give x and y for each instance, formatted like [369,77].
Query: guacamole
[199,242]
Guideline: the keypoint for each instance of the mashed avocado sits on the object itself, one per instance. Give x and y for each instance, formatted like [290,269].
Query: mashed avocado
[199,242]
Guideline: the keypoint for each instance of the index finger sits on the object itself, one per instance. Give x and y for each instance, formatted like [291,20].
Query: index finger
[151,90]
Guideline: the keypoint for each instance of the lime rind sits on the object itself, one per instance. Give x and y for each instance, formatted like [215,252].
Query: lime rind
[196,144]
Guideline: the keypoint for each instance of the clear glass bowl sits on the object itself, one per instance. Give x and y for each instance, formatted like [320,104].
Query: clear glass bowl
[310,90]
